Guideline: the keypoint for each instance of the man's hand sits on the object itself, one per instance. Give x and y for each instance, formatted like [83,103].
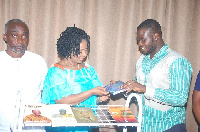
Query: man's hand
[135,86]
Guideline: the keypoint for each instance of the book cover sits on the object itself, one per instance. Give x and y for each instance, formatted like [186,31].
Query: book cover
[36,115]
[122,114]
[61,115]
[115,88]
[84,115]
[49,115]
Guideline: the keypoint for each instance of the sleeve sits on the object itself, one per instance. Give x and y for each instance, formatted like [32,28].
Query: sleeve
[43,70]
[197,83]
[37,78]
[180,73]
[95,80]
[55,86]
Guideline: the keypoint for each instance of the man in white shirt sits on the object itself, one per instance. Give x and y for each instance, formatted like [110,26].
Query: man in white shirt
[21,75]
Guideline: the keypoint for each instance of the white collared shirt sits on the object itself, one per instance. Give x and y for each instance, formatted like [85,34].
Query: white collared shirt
[21,81]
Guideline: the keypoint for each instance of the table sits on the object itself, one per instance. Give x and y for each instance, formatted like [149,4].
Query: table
[103,116]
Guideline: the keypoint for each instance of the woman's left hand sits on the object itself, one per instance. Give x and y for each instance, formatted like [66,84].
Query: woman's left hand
[104,98]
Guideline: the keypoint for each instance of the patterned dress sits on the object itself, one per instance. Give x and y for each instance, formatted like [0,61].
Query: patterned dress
[61,82]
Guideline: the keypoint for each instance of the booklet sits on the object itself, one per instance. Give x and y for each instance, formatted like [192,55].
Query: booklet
[61,115]
[49,115]
[36,115]
[84,115]
[122,114]
[115,88]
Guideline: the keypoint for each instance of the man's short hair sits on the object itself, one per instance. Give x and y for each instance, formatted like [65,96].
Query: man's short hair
[151,24]
[13,20]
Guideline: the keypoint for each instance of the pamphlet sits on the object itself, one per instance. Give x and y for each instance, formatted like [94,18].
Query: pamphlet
[36,115]
[61,115]
[115,88]
[49,115]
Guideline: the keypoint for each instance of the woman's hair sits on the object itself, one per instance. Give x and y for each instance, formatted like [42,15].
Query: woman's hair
[69,42]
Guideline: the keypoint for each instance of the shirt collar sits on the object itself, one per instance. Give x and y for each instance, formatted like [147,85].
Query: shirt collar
[163,52]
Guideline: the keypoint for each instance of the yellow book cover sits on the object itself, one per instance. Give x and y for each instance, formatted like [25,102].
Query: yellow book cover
[84,115]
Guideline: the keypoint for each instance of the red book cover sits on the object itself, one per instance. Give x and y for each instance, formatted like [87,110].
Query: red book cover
[122,114]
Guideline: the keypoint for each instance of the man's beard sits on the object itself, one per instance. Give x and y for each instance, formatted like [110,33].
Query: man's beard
[23,49]
[151,49]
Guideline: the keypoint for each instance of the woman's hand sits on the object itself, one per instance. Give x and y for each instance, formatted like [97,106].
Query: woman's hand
[100,91]
[104,98]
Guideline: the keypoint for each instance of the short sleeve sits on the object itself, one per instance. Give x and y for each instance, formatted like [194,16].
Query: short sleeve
[95,80]
[55,86]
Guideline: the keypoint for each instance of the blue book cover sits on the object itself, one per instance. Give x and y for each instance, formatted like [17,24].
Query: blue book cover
[115,88]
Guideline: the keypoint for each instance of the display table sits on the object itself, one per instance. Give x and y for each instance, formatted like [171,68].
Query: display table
[103,116]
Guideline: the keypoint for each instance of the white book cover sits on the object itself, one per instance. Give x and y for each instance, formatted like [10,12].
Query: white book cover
[61,115]
[49,115]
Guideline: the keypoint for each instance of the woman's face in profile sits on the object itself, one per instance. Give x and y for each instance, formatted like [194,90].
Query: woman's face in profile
[83,53]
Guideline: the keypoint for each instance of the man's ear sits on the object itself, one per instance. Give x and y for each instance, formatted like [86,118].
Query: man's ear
[5,38]
[156,36]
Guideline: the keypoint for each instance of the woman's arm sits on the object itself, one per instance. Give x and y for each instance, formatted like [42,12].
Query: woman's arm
[75,99]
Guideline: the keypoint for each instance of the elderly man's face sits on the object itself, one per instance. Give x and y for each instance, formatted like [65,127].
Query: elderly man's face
[17,37]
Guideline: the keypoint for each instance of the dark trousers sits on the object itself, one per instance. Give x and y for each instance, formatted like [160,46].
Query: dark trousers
[178,128]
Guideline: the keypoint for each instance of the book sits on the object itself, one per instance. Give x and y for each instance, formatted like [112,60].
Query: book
[36,115]
[115,88]
[122,114]
[49,115]
[84,115]
[61,115]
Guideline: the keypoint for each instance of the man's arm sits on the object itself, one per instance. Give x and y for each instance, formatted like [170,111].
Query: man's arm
[196,98]
[180,74]
[196,104]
